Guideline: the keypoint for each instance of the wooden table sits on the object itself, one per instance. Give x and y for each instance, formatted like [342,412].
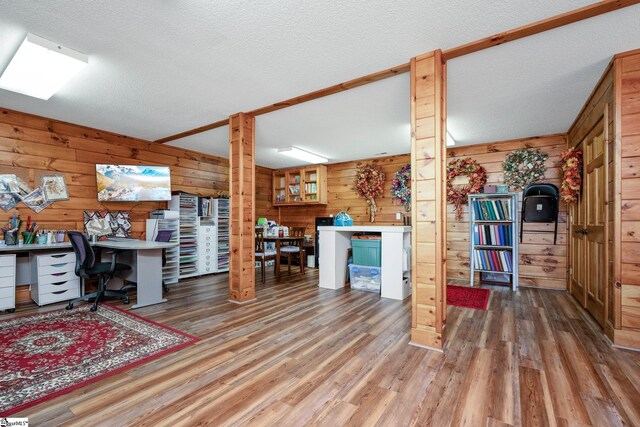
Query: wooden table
[278,241]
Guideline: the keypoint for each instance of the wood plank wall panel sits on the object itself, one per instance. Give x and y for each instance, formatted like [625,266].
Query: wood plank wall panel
[38,145]
[242,212]
[630,203]
[542,264]
[428,239]
[341,197]
[41,145]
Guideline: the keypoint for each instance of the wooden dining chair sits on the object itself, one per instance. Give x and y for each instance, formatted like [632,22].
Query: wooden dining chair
[295,248]
[262,254]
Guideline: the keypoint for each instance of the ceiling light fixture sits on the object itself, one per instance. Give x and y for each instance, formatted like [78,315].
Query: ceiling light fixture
[299,154]
[41,67]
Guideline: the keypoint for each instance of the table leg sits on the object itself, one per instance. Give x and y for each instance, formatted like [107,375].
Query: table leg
[278,260]
[149,277]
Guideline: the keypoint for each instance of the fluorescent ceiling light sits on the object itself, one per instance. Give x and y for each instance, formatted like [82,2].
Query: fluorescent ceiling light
[450,141]
[41,67]
[299,154]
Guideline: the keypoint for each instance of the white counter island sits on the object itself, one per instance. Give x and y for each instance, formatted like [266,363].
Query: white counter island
[396,263]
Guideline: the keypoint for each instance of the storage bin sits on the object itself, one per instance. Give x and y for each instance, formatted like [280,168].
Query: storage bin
[367,250]
[365,278]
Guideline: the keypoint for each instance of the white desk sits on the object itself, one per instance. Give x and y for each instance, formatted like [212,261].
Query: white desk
[142,255]
[396,242]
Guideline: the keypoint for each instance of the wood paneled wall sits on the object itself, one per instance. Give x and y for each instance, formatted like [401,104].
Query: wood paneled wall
[541,263]
[627,83]
[341,197]
[37,145]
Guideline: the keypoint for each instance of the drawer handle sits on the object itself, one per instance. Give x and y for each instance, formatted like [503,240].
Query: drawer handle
[58,274]
[59,255]
[59,283]
[60,292]
[62,264]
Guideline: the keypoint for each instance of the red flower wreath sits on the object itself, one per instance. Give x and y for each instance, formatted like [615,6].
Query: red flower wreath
[571,164]
[477,179]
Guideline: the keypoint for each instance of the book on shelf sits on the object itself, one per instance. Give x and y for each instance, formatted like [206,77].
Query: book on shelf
[492,210]
[492,235]
[493,260]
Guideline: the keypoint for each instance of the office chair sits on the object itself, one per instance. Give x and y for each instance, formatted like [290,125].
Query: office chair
[162,236]
[87,267]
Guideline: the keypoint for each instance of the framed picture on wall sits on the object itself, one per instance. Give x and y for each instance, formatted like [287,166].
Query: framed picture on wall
[8,184]
[8,201]
[36,200]
[54,188]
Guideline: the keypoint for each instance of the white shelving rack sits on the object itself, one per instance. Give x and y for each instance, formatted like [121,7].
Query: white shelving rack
[484,211]
[221,219]
[187,205]
[171,270]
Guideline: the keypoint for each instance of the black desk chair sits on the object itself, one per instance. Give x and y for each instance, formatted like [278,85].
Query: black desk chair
[87,267]
[162,236]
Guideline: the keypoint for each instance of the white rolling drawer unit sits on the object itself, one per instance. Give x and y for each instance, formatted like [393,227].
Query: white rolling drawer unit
[53,278]
[8,282]
[207,249]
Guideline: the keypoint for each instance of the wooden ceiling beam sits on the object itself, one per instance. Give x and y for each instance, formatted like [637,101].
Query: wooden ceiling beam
[195,131]
[557,21]
[341,87]
[539,27]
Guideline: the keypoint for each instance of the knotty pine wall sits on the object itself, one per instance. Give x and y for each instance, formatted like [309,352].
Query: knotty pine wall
[542,264]
[628,79]
[35,145]
[341,197]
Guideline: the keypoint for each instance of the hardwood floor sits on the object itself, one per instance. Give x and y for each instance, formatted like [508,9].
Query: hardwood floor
[301,355]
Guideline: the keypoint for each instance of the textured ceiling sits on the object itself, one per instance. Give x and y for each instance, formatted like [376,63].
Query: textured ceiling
[536,85]
[157,68]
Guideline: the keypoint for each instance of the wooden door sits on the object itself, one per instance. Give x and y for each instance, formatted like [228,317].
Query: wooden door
[577,245]
[595,195]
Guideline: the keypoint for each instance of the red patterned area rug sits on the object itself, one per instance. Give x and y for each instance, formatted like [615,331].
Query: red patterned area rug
[461,296]
[45,355]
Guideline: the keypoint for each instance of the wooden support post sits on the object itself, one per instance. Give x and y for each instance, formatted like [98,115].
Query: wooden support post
[428,187]
[242,211]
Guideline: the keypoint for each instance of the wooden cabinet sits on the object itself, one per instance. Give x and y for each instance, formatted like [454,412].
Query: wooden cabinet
[299,186]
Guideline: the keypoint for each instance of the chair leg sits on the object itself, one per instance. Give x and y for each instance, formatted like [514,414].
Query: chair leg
[289,263]
[302,260]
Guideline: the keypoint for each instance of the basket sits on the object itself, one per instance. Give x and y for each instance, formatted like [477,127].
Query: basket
[343,220]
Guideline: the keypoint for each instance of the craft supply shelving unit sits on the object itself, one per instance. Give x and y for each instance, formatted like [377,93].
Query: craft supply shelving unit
[493,235]
[170,271]
[187,205]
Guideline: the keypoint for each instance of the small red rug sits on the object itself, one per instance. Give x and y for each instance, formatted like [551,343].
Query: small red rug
[461,296]
[45,355]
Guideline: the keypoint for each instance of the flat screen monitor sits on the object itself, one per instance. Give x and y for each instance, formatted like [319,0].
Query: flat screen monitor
[133,183]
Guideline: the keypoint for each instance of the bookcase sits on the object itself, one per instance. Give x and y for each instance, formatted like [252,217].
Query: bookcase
[493,237]
[187,205]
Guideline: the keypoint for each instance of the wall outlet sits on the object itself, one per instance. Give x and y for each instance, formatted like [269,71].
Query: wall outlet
[398,215]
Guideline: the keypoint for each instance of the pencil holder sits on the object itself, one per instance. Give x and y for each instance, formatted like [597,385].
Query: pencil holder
[60,236]
[11,238]
[42,240]
[29,237]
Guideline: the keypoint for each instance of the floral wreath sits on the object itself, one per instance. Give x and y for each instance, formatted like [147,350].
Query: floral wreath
[571,164]
[477,179]
[401,187]
[369,184]
[524,167]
